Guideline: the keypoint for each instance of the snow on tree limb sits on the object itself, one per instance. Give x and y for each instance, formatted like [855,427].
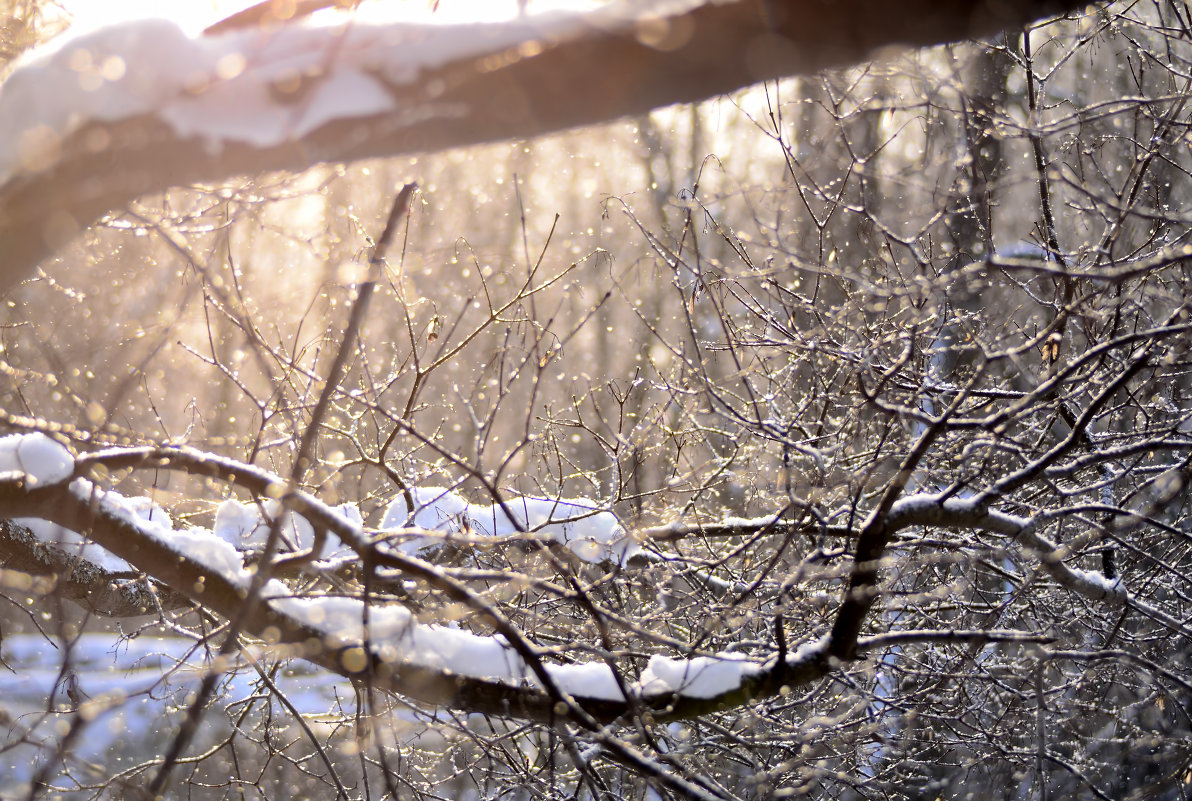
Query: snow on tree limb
[91,123]
[501,674]
[434,664]
[70,575]
[430,663]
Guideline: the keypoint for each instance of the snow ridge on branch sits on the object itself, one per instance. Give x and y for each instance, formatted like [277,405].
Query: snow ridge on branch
[257,87]
[433,663]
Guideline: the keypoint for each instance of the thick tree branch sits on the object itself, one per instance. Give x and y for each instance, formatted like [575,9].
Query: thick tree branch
[81,581]
[548,77]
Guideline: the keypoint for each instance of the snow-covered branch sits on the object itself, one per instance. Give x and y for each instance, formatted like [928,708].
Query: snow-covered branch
[435,664]
[970,513]
[91,122]
[69,574]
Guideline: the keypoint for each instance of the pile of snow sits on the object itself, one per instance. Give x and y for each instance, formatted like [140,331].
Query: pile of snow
[340,619]
[140,508]
[246,526]
[42,460]
[590,532]
[130,691]
[463,653]
[260,87]
[194,542]
[701,677]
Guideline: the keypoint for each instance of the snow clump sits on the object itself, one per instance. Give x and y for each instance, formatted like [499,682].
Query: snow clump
[582,526]
[41,459]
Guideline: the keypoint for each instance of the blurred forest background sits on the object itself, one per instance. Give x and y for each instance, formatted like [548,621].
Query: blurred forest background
[751,306]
